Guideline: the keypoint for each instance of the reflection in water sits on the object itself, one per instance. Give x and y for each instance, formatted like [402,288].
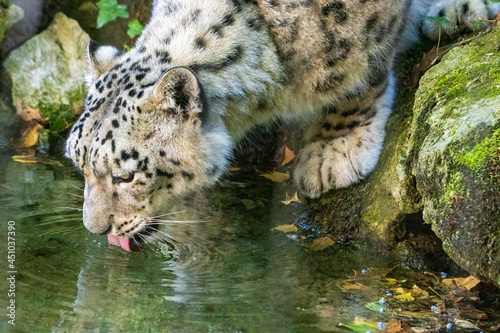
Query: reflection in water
[229,272]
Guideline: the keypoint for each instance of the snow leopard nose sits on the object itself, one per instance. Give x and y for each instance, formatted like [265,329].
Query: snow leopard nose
[97,224]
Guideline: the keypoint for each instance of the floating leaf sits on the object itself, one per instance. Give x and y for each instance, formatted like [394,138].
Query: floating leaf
[468,282]
[391,281]
[286,228]
[406,297]
[249,204]
[465,324]
[361,325]
[347,286]
[396,326]
[25,158]
[289,156]
[322,243]
[374,306]
[471,313]
[109,10]
[275,176]
[419,293]
[289,199]
[417,314]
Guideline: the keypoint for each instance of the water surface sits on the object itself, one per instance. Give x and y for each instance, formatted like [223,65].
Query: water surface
[231,272]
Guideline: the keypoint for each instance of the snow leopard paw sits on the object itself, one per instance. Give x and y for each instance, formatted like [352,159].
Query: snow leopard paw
[327,164]
[450,17]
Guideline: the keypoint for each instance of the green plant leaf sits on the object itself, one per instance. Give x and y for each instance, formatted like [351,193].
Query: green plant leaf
[134,28]
[127,48]
[109,10]
[477,24]
[374,306]
[438,20]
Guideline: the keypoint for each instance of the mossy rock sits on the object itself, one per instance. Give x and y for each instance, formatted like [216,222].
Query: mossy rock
[442,159]
[48,72]
[455,152]
[9,14]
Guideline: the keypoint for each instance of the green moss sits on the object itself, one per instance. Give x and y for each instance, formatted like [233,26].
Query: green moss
[455,188]
[475,159]
[4,15]
[472,80]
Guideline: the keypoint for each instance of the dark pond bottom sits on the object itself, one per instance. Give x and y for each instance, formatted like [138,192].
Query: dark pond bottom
[227,270]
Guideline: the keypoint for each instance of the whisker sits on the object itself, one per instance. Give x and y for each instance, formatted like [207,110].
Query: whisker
[178,221]
[58,221]
[76,195]
[136,243]
[165,234]
[71,208]
[149,240]
[77,187]
[181,211]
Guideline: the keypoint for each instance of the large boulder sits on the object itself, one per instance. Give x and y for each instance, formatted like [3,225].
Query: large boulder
[440,164]
[48,71]
[455,154]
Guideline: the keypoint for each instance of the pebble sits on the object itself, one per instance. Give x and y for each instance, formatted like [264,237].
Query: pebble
[364,271]
[448,327]
[382,310]
[381,326]
[382,301]
[433,308]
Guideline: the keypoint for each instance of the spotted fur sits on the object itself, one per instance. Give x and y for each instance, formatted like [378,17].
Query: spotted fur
[161,120]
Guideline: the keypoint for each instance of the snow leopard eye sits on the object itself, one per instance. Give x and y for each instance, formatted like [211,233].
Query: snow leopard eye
[126,178]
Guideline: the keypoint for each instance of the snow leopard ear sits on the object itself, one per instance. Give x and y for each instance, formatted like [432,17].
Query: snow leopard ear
[180,88]
[101,58]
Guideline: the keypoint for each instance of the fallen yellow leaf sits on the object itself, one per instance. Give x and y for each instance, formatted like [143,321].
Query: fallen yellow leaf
[289,199]
[286,228]
[468,282]
[419,293]
[321,244]
[249,204]
[417,314]
[233,169]
[400,291]
[407,297]
[347,285]
[289,156]
[24,158]
[395,326]
[275,176]
[391,281]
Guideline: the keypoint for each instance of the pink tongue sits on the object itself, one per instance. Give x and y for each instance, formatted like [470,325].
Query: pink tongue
[124,242]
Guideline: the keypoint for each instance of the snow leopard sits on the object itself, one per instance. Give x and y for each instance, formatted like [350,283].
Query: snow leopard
[161,120]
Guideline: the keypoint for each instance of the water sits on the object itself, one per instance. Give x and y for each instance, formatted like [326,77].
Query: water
[229,273]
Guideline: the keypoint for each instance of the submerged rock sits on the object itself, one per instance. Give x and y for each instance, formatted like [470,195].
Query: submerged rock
[443,160]
[48,71]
